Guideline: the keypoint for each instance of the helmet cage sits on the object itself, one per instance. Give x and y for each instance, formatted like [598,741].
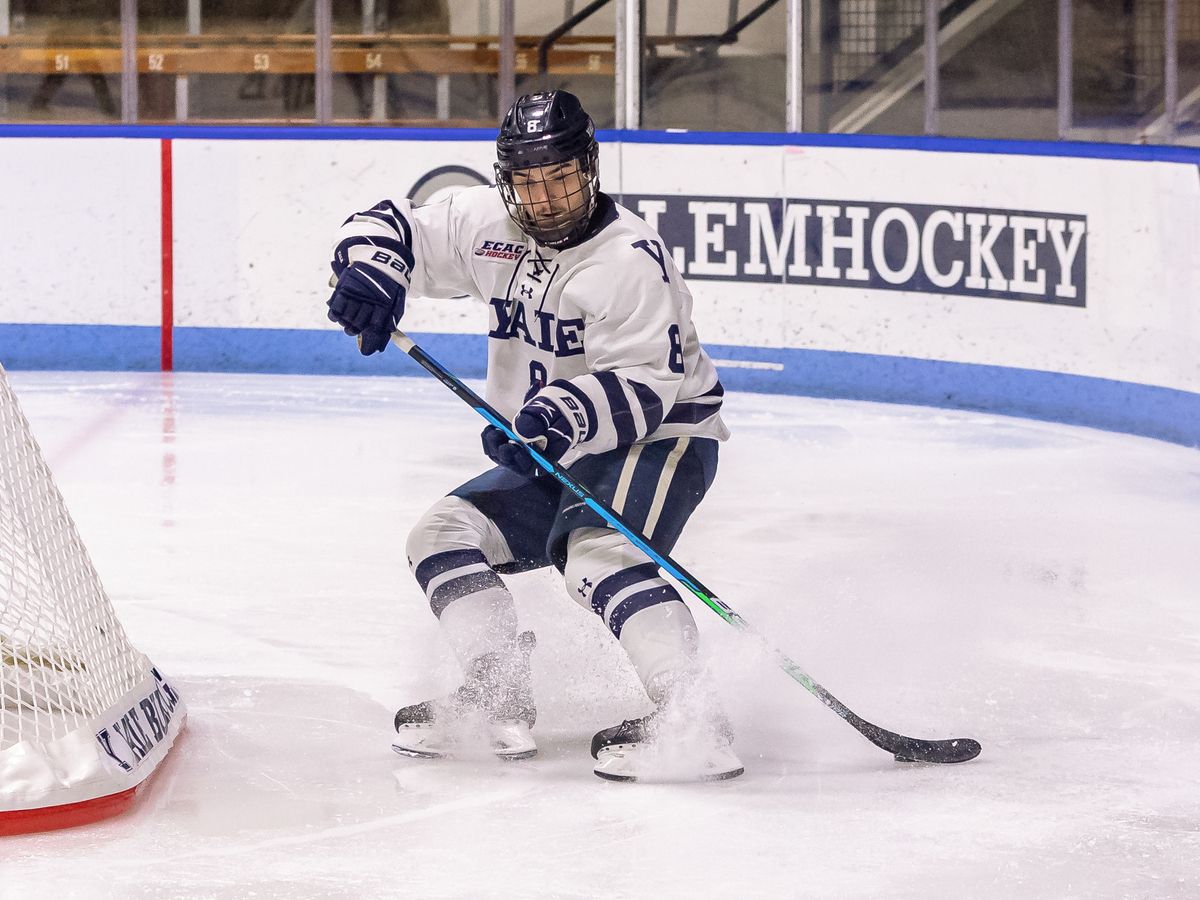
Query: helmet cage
[541,208]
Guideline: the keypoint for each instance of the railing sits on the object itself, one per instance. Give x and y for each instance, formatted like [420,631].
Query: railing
[849,67]
[258,55]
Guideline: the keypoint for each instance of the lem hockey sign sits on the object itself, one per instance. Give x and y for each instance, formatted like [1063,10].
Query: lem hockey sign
[968,251]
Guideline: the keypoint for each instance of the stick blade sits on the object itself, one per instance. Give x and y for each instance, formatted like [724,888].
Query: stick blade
[911,749]
[955,750]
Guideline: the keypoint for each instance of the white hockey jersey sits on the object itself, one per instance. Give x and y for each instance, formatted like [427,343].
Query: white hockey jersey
[608,320]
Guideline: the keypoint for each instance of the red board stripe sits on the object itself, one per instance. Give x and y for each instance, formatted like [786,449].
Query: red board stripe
[168,261]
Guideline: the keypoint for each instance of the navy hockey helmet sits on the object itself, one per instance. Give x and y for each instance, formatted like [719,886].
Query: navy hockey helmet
[547,167]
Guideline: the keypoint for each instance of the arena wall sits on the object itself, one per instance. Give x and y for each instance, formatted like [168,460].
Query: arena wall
[1057,281]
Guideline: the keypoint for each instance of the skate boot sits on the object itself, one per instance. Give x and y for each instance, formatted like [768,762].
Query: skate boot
[496,699]
[667,746]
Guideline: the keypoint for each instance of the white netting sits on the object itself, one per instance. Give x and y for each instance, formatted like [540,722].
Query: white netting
[64,658]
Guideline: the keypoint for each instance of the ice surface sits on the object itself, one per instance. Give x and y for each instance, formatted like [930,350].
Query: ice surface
[1032,585]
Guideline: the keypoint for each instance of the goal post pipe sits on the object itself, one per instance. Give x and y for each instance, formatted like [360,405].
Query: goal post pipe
[904,748]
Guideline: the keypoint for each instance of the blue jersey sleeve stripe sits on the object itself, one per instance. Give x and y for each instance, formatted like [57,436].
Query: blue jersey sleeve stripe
[651,403]
[691,413]
[618,403]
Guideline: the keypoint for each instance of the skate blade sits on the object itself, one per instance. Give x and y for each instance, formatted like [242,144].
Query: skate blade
[426,742]
[417,754]
[427,754]
[624,764]
[513,756]
[422,742]
[633,779]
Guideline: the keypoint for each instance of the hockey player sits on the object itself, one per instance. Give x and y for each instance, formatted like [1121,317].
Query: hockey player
[593,356]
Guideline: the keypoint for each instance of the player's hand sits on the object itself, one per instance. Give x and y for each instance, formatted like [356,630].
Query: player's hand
[510,454]
[368,304]
[552,422]
[543,424]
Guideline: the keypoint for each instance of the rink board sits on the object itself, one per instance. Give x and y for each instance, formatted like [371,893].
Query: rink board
[936,272]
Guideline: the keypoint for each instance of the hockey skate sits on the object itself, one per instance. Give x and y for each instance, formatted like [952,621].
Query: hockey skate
[664,747]
[494,705]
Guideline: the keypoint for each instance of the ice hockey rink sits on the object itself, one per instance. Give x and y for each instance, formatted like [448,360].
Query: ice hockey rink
[1033,585]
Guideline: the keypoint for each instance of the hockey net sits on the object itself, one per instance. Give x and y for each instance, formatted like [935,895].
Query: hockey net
[84,717]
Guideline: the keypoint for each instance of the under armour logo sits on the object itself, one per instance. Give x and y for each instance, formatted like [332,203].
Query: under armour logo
[585,587]
[527,291]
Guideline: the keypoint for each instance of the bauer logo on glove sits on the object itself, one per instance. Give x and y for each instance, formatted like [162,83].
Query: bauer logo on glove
[553,422]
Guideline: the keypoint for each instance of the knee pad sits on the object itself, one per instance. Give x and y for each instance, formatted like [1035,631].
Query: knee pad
[451,551]
[455,524]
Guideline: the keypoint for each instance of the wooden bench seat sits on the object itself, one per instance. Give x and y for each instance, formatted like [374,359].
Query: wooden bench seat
[293,54]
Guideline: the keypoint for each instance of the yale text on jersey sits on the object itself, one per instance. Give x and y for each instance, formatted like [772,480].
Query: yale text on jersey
[537,328]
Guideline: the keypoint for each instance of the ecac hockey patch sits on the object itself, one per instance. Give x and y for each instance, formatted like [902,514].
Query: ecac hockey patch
[500,250]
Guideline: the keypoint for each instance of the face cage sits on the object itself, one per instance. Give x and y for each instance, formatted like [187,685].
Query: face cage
[569,215]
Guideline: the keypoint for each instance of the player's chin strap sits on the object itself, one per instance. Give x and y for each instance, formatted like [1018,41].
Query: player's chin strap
[907,749]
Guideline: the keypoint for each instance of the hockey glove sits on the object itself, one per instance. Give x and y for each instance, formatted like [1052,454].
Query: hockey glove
[552,423]
[510,454]
[367,303]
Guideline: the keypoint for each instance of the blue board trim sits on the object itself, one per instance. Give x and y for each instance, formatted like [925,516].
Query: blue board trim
[248,132]
[1072,149]
[307,352]
[91,348]
[1146,410]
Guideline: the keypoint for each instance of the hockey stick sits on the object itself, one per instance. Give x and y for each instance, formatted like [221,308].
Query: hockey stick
[905,749]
